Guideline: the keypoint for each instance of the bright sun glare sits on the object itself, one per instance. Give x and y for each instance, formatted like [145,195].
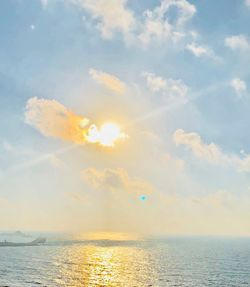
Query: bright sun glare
[107,135]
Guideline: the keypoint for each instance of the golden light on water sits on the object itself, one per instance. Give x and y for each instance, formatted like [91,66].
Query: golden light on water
[105,263]
[107,135]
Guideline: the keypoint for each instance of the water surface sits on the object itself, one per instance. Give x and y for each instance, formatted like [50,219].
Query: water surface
[162,262]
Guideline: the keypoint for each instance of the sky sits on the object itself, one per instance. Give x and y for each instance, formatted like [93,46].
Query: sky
[172,78]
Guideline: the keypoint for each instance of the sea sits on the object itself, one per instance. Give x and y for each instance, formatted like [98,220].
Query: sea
[171,261]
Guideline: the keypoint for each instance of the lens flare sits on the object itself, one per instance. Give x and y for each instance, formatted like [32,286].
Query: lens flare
[107,135]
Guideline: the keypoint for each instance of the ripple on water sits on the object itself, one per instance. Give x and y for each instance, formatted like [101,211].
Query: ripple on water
[167,263]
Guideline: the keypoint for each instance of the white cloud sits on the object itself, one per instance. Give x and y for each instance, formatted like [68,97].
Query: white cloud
[155,29]
[169,88]
[112,16]
[237,42]
[158,26]
[239,86]
[201,51]
[194,34]
[197,50]
[185,11]
[44,3]
[109,81]
[155,83]
[210,152]
[247,2]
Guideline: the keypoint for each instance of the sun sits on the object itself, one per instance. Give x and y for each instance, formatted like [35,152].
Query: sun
[107,135]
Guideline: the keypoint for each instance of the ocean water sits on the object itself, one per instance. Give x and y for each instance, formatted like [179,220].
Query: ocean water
[158,262]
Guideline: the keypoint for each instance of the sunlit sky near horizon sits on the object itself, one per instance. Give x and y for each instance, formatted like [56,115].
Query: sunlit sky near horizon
[127,116]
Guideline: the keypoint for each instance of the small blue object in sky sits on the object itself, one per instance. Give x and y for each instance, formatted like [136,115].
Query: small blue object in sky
[143,197]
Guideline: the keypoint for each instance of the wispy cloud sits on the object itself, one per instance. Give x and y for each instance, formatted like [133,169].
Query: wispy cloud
[239,86]
[201,51]
[153,25]
[169,88]
[237,42]
[44,3]
[112,16]
[247,2]
[157,25]
[210,152]
[109,81]
[197,50]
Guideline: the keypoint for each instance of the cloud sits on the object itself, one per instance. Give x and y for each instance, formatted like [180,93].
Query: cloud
[237,42]
[44,3]
[112,16]
[158,26]
[193,141]
[52,119]
[197,50]
[116,180]
[121,202]
[109,81]
[169,88]
[155,83]
[239,86]
[247,2]
[201,51]
[210,152]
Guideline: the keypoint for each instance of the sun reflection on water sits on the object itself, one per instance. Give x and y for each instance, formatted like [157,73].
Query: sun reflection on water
[104,263]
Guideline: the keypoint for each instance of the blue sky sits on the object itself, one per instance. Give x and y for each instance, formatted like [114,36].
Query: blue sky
[172,73]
